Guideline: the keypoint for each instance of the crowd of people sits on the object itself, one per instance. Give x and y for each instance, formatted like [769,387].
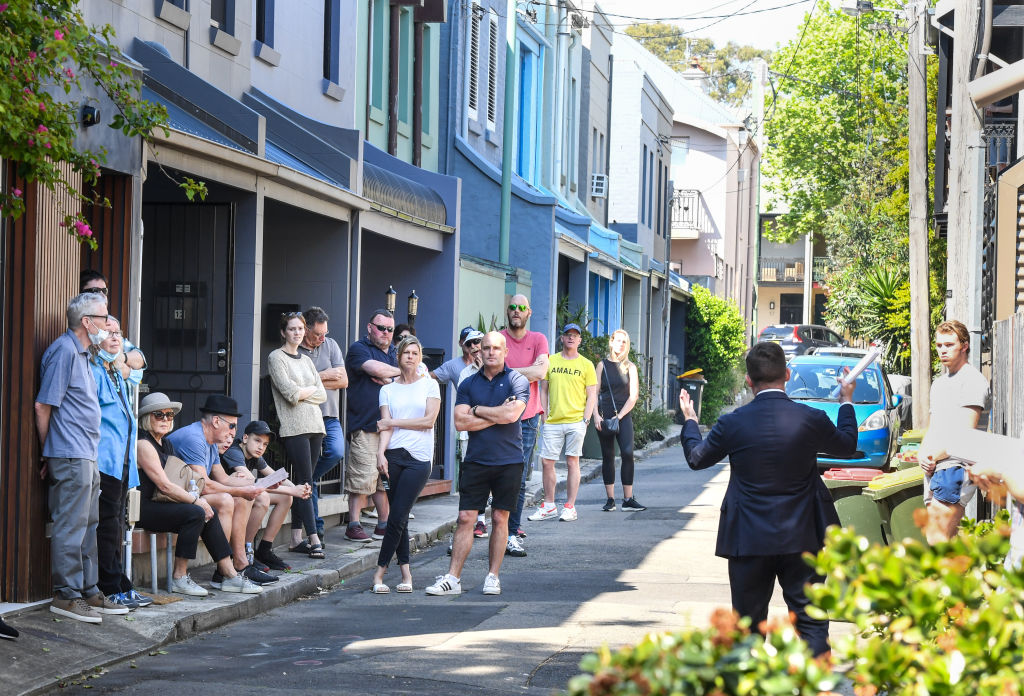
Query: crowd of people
[207,481]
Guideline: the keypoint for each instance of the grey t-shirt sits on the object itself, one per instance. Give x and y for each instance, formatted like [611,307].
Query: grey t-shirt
[326,356]
[967,388]
[450,370]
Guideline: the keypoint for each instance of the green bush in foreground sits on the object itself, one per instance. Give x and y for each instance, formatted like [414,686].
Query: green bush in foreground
[943,620]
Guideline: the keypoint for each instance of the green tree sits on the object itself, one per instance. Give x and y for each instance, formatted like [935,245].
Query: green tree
[727,66]
[715,334]
[47,49]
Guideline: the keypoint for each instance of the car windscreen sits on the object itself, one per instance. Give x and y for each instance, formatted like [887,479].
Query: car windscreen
[817,382]
[774,333]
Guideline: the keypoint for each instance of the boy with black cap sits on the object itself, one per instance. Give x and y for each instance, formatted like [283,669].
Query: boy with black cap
[245,458]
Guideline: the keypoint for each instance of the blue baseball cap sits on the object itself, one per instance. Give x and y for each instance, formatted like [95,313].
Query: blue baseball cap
[572,327]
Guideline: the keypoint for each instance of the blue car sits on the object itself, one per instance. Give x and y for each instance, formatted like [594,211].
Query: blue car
[812,381]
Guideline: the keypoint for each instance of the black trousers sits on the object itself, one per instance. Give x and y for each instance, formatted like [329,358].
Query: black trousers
[185,520]
[303,451]
[625,439]
[752,580]
[407,477]
[110,535]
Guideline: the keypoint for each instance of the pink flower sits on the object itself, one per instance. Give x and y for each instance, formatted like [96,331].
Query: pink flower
[113,63]
[42,129]
[32,55]
[31,142]
[17,193]
[63,223]
[3,6]
[69,73]
[47,145]
[42,106]
[58,34]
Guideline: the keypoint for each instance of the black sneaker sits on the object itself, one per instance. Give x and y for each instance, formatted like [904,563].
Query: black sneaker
[609,505]
[258,576]
[271,560]
[632,504]
[8,632]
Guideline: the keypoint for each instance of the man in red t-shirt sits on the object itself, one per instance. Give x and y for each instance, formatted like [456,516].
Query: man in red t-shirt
[527,355]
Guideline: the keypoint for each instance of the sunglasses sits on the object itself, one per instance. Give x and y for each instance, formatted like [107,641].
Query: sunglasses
[385,329]
[291,315]
[475,342]
[163,415]
[520,307]
[231,426]
[96,291]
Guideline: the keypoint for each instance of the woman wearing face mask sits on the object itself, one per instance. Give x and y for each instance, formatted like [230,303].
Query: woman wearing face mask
[116,462]
[298,393]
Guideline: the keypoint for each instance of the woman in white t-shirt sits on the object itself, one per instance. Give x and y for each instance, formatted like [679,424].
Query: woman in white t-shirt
[408,409]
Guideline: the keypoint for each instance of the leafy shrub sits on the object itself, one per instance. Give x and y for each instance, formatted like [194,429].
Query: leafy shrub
[715,343]
[649,425]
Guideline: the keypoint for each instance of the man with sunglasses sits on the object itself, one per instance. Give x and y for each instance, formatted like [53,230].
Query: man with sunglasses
[453,372]
[132,362]
[371,363]
[232,497]
[527,355]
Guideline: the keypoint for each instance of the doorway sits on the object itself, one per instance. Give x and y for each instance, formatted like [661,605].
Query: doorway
[187,262]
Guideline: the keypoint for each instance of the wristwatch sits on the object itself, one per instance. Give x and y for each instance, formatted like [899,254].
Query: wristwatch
[474,409]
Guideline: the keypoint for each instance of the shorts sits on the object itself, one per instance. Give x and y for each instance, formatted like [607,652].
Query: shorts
[951,486]
[361,475]
[554,436]
[479,481]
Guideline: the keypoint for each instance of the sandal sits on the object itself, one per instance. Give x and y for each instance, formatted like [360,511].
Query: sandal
[316,551]
[404,587]
[302,547]
[381,588]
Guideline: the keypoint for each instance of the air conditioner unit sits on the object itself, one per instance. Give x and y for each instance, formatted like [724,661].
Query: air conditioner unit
[598,185]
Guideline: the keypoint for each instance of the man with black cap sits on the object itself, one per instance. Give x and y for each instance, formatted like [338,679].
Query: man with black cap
[244,459]
[453,372]
[231,496]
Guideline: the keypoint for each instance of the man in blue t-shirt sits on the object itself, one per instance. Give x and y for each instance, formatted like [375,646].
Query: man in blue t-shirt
[371,363]
[488,405]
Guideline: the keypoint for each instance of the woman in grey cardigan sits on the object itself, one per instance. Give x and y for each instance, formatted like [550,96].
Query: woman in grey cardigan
[298,393]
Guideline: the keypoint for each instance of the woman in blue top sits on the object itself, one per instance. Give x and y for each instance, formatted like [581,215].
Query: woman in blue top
[117,465]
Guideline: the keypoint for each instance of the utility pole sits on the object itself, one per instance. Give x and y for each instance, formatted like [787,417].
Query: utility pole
[920,313]
[508,131]
[966,185]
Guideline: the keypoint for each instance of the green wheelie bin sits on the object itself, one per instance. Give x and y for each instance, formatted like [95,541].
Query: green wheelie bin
[897,496]
[855,510]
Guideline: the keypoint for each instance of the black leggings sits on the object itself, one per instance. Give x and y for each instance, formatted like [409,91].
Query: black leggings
[110,536]
[187,521]
[303,450]
[407,477]
[625,438]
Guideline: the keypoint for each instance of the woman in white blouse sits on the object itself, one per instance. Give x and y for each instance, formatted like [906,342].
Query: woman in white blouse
[298,393]
[408,409]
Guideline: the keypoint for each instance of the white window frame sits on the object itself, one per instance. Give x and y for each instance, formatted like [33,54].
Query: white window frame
[473,28]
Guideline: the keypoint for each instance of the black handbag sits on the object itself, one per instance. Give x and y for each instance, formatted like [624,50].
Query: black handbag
[610,425]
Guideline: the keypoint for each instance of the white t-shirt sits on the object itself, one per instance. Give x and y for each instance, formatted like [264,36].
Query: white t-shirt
[410,401]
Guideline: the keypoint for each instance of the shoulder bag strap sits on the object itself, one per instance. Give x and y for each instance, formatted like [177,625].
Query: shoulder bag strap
[611,392]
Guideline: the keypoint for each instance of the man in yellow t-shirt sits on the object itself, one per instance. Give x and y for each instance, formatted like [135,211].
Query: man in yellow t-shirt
[568,395]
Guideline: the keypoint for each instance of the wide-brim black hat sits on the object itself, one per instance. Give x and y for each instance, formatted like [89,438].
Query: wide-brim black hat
[221,405]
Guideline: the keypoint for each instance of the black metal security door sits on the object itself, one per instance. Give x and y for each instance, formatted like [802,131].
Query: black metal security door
[186,308]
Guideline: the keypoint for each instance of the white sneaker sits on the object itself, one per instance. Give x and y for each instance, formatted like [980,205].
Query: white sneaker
[446,584]
[187,586]
[544,512]
[569,514]
[514,547]
[240,584]
[492,585]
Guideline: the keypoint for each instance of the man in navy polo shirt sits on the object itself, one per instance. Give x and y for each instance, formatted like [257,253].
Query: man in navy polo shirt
[488,406]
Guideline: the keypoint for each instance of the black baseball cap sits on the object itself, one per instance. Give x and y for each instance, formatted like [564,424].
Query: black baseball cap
[258,427]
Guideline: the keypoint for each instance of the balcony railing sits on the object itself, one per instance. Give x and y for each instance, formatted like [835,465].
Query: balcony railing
[791,269]
[690,216]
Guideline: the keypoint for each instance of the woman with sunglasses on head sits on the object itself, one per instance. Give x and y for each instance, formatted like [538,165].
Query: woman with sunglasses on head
[298,393]
[618,385]
[190,516]
[117,465]
[408,409]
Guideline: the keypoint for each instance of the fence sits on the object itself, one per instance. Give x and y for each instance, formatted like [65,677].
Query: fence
[1007,417]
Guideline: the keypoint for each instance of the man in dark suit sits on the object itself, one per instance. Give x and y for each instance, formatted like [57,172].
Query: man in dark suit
[776,506]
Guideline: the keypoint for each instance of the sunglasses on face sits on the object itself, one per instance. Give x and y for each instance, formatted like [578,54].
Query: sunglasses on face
[291,315]
[96,291]
[231,426]
[475,342]
[520,307]
[163,415]
[385,329]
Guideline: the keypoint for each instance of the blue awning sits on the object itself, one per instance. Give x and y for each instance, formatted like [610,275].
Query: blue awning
[279,155]
[181,120]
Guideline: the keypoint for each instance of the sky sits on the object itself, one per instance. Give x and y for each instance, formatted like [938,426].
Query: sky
[763,29]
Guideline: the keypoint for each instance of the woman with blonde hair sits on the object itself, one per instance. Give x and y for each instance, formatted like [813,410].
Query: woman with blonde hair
[618,389]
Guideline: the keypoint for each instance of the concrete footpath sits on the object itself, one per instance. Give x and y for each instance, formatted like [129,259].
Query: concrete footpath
[53,652]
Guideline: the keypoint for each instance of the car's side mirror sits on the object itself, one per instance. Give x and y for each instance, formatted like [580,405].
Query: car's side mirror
[845,343]
[897,399]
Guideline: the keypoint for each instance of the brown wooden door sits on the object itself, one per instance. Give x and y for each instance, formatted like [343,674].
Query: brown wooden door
[187,258]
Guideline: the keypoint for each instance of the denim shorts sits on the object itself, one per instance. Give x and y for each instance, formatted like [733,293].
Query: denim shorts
[952,487]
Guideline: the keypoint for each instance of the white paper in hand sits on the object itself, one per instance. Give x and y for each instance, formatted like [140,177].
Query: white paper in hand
[278,476]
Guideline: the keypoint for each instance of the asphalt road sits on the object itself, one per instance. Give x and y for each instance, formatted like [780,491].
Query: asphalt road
[609,578]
